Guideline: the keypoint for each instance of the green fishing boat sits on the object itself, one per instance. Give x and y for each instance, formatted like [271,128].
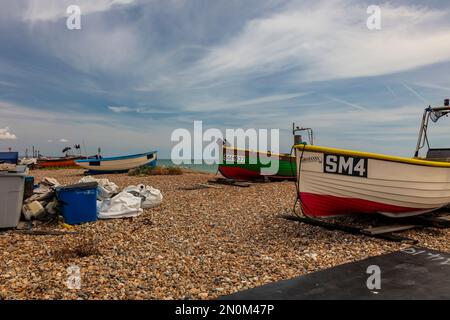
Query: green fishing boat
[249,165]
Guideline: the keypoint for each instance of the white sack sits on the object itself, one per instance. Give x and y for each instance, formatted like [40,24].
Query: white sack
[151,197]
[123,205]
[106,189]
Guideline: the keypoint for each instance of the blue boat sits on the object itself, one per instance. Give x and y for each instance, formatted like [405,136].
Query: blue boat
[118,164]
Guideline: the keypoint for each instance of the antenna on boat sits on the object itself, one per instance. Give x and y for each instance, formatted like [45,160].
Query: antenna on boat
[84,147]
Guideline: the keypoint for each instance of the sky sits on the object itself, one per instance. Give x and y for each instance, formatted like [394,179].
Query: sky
[137,70]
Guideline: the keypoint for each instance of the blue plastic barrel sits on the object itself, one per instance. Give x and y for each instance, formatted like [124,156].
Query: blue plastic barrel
[78,203]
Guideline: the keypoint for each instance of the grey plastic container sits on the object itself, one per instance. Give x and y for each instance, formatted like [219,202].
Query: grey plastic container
[11,196]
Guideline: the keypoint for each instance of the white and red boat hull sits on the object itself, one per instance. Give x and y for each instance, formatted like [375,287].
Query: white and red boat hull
[333,182]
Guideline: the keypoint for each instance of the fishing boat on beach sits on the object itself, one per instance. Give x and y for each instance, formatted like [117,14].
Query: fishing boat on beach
[247,165]
[47,162]
[118,164]
[68,160]
[334,182]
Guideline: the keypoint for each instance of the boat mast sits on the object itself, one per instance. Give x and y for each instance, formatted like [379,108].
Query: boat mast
[422,131]
[298,137]
[424,125]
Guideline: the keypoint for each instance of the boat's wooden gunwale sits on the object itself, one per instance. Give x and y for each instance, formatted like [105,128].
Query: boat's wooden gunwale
[375,156]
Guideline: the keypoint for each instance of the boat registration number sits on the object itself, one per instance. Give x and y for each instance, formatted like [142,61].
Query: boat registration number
[346,165]
[232,158]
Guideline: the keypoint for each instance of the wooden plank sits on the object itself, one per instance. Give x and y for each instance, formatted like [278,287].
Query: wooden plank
[208,186]
[348,228]
[441,222]
[387,229]
[230,182]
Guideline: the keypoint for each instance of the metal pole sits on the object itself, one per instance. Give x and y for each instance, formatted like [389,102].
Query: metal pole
[422,128]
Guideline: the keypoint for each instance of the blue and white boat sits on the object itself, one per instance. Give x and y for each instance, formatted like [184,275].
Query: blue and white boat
[118,164]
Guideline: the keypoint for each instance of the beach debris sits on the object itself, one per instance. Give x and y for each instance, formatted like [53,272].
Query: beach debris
[45,191]
[28,162]
[312,256]
[123,205]
[50,182]
[42,193]
[52,207]
[7,167]
[24,225]
[105,190]
[65,225]
[151,197]
[32,210]
[230,182]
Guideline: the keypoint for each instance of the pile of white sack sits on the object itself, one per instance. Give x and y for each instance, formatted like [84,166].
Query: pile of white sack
[130,202]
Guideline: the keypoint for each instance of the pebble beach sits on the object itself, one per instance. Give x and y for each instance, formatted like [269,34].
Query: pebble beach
[199,244]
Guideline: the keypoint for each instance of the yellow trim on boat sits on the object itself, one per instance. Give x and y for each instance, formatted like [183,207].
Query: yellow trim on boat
[372,156]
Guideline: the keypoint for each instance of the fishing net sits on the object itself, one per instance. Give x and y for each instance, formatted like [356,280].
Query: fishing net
[435,115]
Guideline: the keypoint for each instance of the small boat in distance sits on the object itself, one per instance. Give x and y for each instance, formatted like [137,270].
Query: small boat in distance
[58,162]
[68,160]
[333,182]
[120,164]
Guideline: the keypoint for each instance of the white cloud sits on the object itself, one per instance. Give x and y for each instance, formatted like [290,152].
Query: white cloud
[214,104]
[414,92]
[114,136]
[6,84]
[142,110]
[104,48]
[63,140]
[5,134]
[120,109]
[330,40]
[51,10]
[350,104]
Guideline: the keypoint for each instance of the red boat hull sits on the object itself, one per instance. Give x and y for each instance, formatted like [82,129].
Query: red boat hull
[63,162]
[241,174]
[319,205]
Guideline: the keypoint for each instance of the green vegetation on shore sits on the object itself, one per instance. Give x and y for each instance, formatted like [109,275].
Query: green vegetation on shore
[155,171]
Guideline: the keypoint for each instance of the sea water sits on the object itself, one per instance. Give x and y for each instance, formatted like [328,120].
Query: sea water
[203,167]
